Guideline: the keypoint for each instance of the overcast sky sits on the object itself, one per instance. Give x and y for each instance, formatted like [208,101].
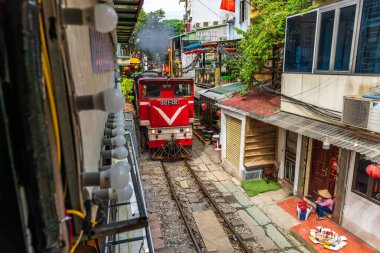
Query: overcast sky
[172,8]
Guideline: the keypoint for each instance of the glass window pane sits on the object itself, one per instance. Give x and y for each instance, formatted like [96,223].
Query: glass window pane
[300,37]
[151,91]
[344,39]
[368,55]
[325,39]
[362,179]
[182,90]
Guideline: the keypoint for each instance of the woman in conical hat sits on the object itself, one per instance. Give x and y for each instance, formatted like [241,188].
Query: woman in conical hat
[324,203]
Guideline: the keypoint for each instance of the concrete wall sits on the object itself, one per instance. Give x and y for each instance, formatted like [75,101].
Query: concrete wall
[200,13]
[326,91]
[232,34]
[86,82]
[360,216]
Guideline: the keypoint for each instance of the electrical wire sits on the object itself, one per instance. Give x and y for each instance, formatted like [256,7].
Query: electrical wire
[80,215]
[72,250]
[49,86]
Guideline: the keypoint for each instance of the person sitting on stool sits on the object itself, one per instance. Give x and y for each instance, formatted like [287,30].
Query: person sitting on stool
[324,204]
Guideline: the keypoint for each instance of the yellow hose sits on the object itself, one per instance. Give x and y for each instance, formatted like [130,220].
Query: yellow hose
[49,87]
[80,215]
[72,250]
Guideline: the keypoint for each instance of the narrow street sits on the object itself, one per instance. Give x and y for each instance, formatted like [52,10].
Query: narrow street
[257,228]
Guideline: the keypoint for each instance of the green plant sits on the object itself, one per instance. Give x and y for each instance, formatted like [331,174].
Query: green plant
[126,86]
[265,37]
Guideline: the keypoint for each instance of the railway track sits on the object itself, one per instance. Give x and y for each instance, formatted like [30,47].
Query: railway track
[205,199]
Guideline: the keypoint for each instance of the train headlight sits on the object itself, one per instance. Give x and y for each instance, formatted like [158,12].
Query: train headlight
[187,130]
[153,131]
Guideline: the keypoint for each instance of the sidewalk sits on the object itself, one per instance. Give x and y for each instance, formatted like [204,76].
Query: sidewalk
[272,216]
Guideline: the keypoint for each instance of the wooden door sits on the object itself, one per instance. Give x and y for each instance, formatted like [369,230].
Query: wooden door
[233,140]
[320,173]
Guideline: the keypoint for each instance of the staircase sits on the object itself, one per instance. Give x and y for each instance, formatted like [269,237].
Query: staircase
[260,144]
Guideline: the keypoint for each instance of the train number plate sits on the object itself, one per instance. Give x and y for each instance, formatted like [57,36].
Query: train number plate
[169,102]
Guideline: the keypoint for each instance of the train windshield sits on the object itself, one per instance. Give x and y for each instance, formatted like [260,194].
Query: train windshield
[151,91]
[182,90]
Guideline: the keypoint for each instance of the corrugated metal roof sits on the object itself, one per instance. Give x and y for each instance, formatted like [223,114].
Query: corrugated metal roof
[335,135]
[223,92]
[228,88]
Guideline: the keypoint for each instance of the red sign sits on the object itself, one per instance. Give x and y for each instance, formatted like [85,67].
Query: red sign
[228,5]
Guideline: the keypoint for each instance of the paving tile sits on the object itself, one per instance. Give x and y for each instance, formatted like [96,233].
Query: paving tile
[206,159]
[221,187]
[213,235]
[212,167]
[292,251]
[279,217]
[184,184]
[235,181]
[203,167]
[247,237]
[211,176]
[257,231]
[242,199]
[231,187]
[258,215]
[278,238]
[221,175]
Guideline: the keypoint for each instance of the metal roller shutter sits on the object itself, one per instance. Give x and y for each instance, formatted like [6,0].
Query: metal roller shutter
[233,129]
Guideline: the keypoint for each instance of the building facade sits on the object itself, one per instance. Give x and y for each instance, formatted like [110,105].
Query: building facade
[327,124]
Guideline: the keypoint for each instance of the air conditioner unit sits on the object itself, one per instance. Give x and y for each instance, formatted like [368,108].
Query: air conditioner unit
[361,112]
[197,25]
[205,24]
[215,23]
[252,174]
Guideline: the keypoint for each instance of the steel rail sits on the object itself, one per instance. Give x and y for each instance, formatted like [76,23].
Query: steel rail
[205,192]
[193,238]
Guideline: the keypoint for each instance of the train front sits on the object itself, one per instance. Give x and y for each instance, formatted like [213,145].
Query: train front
[166,110]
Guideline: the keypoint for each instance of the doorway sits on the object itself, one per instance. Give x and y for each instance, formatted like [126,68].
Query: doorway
[323,170]
[290,156]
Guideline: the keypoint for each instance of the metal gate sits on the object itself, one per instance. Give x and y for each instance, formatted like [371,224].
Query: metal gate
[233,140]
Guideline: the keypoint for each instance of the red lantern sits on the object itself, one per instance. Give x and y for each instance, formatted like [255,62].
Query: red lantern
[218,113]
[127,68]
[167,68]
[373,171]
[204,106]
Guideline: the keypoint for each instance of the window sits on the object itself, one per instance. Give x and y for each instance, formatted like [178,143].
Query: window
[368,53]
[299,49]
[182,90]
[151,91]
[344,39]
[363,185]
[242,11]
[325,39]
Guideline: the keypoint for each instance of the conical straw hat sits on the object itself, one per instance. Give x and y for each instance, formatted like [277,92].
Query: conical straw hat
[324,194]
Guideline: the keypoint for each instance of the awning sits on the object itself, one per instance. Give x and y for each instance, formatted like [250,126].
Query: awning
[127,12]
[198,91]
[335,135]
[192,46]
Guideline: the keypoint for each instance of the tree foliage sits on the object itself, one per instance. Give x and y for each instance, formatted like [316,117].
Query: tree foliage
[175,25]
[126,86]
[265,37]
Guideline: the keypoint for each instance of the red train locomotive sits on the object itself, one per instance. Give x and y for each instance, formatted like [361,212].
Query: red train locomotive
[166,111]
